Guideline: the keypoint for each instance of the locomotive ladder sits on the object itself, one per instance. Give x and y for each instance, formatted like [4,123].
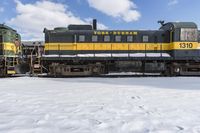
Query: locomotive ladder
[35,63]
[36,68]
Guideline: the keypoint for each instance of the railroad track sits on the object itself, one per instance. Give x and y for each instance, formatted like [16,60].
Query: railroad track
[112,76]
[100,76]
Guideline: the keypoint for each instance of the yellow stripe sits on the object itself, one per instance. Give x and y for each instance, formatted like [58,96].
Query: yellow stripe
[106,46]
[122,46]
[11,72]
[10,47]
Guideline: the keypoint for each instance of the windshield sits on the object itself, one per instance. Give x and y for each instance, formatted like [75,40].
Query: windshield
[1,38]
[199,36]
[189,34]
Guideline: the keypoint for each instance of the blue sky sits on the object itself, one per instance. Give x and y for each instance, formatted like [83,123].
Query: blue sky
[29,17]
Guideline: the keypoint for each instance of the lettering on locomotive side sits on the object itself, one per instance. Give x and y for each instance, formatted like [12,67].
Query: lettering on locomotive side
[115,33]
[186,45]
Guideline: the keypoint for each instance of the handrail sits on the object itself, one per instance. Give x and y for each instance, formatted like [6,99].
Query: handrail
[129,50]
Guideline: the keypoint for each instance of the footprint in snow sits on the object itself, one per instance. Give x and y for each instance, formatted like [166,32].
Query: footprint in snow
[180,128]
[148,112]
[135,97]
[141,107]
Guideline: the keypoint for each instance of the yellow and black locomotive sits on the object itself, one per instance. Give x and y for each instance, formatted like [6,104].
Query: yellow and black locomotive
[83,50]
[9,50]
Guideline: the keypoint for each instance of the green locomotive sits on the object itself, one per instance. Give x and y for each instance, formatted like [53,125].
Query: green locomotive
[83,50]
[10,42]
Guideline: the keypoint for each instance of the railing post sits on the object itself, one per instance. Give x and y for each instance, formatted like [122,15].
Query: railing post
[94,49]
[59,49]
[145,51]
[161,49]
[111,50]
[129,50]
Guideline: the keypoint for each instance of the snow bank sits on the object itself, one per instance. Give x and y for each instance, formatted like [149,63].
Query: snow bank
[100,105]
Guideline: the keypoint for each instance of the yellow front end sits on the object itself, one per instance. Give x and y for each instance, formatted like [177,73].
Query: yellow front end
[11,54]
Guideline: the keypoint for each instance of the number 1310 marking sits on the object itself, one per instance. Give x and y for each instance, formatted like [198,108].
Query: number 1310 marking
[186,45]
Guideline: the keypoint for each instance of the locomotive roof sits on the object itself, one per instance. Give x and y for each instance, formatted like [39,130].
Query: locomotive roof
[3,26]
[176,25]
[88,28]
[184,24]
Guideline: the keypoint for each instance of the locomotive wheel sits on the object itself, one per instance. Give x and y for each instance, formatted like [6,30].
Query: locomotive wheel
[172,71]
[177,69]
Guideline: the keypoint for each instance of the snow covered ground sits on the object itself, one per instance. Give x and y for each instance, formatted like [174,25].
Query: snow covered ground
[100,105]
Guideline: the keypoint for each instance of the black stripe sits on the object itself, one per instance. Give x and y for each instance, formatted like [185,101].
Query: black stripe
[186,53]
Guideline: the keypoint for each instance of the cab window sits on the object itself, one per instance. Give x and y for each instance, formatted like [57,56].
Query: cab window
[199,37]
[188,34]
[1,38]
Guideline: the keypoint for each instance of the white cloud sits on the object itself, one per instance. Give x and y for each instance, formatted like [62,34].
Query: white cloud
[1,9]
[123,9]
[173,2]
[31,19]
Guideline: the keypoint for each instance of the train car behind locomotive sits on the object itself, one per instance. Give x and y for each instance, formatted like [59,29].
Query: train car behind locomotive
[82,50]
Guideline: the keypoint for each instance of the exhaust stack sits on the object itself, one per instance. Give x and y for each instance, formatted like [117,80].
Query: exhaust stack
[94,24]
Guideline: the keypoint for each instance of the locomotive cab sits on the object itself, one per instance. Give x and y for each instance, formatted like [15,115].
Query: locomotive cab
[183,39]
